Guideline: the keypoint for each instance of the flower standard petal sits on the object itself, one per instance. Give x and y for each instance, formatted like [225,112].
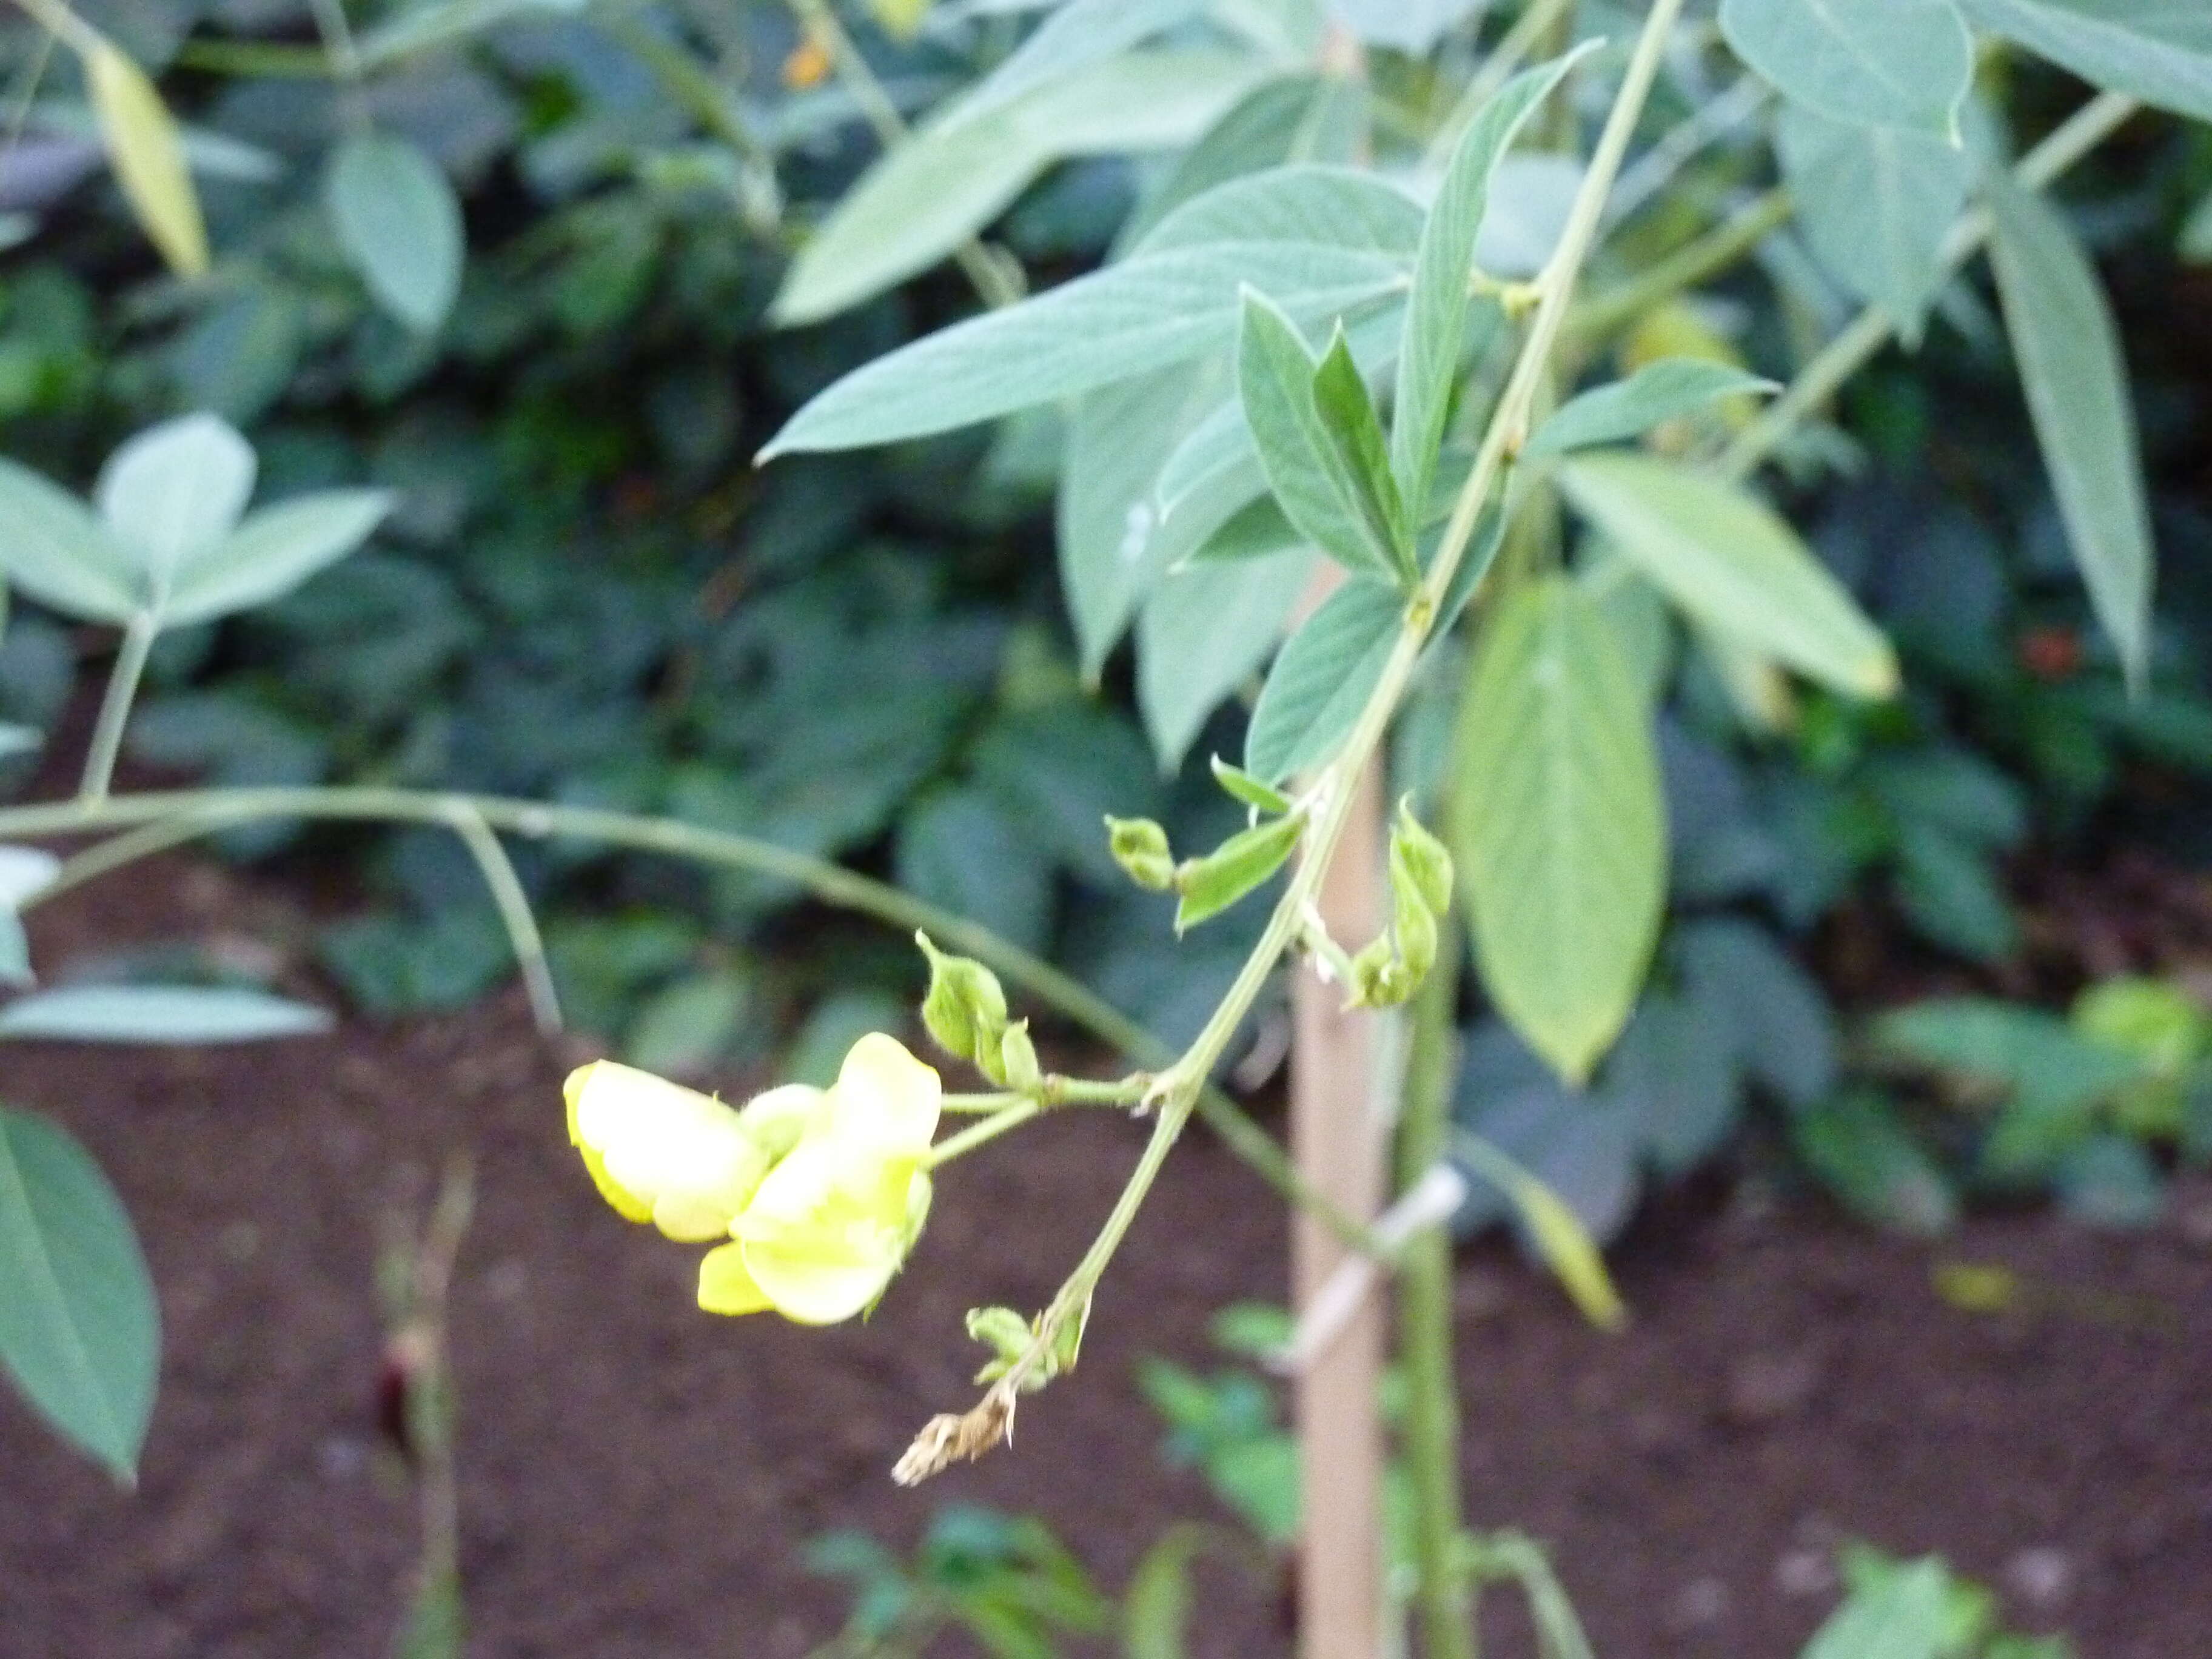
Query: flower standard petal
[884,1096]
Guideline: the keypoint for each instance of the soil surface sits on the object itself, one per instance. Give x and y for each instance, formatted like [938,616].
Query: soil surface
[639,1478]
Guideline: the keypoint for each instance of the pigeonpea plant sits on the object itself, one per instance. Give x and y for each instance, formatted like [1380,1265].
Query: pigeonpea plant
[1342,369]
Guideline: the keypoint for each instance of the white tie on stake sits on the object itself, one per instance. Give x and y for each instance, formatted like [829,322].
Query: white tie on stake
[1429,1202]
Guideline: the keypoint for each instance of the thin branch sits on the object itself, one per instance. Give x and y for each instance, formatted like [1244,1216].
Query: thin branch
[514,912]
[115,709]
[156,820]
[1849,351]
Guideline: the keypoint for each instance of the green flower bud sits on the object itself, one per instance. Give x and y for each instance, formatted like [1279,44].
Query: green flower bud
[1427,865]
[1391,969]
[965,1010]
[1140,847]
[1017,1061]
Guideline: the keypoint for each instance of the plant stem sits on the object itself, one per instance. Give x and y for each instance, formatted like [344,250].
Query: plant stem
[514,912]
[154,821]
[1849,352]
[115,710]
[986,271]
[1424,1299]
[976,1134]
[1175,1090]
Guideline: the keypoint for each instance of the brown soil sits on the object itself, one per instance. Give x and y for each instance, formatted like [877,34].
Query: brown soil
[639,1478]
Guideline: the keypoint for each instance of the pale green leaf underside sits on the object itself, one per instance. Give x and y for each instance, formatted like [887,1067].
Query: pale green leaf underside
[79,1331]
[1322,679]
[1876,63]
[58,554]
[1077,35]
[1657,392]
[922,199]
[157,1014]
[1203,630]
[1561,835]
[1436,312]
[2069,352]
[2159,50]
[1732,562]
[400,224]
[174,490]
[1876,203]
[1143,314]
[273,551]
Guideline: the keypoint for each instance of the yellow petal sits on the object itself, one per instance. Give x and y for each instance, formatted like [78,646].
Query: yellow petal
[682,1156]
[627,1203]
[726,1286]
[884,1096]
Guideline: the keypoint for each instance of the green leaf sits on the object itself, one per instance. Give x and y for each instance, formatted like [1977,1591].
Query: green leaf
[1561,837]
[1657,392]
[950,179]
[1210,885]
[1873,63]
[157,1014]
[400,224]
[1204,630]
[149,156]
[1322,679]
[2159,50]
[2069,354]
[1878,1172]
[61,555]
[1241,786]
[1156,1606]
[1307,116]
[2027,1053]
[1731,562]
[1319,443]
[1114,541]
[1436,312]
[1077,35]
[174,490]
[1318,205]
[1951,893]
[1903,1616]
[1876,203]
[1146,314]
[274,551]
[79,1331]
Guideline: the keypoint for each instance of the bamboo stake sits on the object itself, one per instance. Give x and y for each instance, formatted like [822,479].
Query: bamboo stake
[1338,1138]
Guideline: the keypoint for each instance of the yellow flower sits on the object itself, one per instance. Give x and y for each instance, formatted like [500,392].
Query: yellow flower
[681,1160]
[830,1224]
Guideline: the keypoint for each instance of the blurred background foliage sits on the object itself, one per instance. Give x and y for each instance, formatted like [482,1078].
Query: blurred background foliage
[589,595]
